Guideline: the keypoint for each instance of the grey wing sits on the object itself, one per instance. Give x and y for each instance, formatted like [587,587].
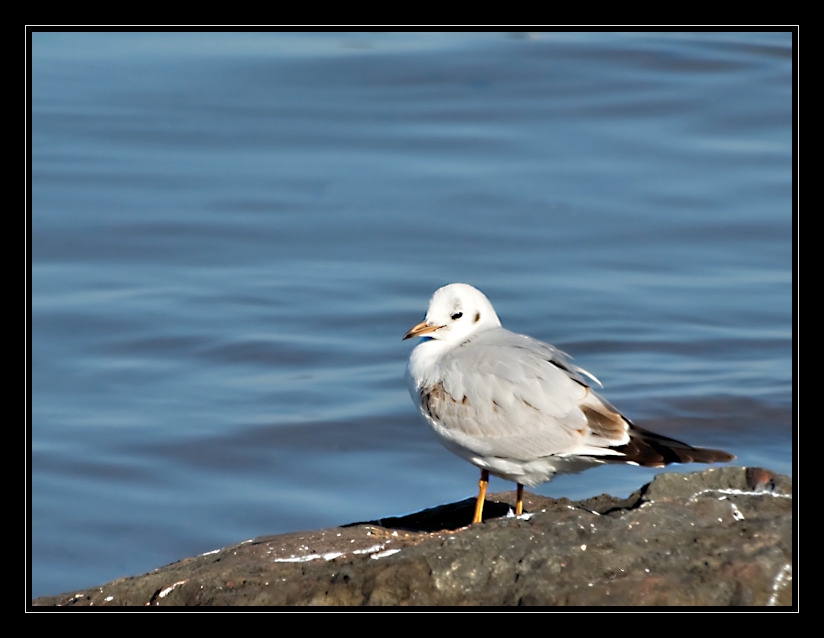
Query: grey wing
[508,395]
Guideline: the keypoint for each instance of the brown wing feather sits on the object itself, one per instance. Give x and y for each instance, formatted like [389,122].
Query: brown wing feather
[604,421]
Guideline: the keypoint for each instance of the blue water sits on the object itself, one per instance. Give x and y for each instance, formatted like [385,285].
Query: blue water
[232,232]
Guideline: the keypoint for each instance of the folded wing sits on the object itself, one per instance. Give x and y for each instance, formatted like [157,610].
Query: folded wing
[516,397]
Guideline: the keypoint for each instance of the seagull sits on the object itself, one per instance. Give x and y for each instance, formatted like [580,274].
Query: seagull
[516,407]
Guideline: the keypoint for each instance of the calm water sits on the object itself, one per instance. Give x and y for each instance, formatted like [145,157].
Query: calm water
[232,232]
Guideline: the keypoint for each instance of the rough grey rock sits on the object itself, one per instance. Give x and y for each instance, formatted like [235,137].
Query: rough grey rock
[718,537]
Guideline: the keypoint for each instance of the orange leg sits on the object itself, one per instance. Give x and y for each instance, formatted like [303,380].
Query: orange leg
[519,507]
[479,504]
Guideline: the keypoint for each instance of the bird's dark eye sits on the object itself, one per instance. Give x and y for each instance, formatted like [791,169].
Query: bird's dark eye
[457,315]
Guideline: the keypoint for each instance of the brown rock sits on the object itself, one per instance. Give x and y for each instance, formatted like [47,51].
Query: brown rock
[718,537]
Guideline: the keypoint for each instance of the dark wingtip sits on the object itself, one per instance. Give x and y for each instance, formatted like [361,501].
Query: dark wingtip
[655,450]
[706,455]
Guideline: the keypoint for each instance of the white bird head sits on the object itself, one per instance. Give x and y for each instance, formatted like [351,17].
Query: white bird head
[455,312]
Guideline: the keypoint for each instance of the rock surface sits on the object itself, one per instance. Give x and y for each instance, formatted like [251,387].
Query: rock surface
[719,537]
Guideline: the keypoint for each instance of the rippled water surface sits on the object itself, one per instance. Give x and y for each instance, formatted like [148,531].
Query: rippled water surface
[232,232]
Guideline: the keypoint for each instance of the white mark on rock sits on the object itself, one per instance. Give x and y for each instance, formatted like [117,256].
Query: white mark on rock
[308,557]
[369,550]
[782,579]
[731,492]
[168,590]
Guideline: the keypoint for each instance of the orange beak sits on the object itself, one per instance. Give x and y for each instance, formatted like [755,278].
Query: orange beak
[421,329]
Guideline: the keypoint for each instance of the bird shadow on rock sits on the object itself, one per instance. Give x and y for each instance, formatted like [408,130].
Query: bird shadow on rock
[449,516]
[457,515]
